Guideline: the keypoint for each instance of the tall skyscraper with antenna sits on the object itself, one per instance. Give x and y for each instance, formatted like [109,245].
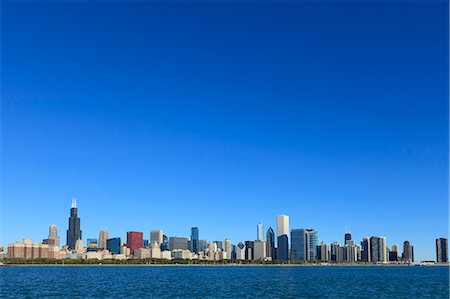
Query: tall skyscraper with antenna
[74,231]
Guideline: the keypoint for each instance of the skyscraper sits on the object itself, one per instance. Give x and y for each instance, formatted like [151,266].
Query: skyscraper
[270,244]
[74,231]
[407,255]
[283,248]
[53,239]
[178,243]
[113,245]
[135,240]
[324,252]
[227,247]
[282,225]
[194,239]
[311,244]
[378,249]
[298,244]
[304,244]
[442,250]
[259,250]
[347,237]
[259,232]
[249,254]
[103,236]
[282,237]
[156,236]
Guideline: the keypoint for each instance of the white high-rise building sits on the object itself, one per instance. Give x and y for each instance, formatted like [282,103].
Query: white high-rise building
[102,237]
[228,248]
[259,250]
[282,225]
[260,232]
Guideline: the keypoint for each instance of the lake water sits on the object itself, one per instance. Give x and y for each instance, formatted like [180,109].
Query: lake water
[224,281]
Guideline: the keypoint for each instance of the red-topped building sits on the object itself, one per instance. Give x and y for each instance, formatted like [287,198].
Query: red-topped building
[135,240]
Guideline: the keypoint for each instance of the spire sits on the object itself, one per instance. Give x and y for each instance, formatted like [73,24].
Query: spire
[74,202]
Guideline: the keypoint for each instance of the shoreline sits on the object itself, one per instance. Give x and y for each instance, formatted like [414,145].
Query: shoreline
[220,265]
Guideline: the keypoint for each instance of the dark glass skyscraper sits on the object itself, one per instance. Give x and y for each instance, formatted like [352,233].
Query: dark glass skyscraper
[113,245]
[74,231]
[194,239]
[270,244]
[283,248]
[298,244]
[442,250]
[347,237]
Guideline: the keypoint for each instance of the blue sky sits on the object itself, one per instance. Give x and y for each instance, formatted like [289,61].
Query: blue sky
[220,115]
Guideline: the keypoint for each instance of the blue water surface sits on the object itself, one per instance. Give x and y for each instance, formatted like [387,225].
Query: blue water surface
[224,281]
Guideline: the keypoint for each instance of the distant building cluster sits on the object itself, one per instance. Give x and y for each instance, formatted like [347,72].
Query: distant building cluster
[298,244]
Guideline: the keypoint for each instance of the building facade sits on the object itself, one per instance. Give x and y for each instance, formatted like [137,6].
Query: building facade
[135,240]
[259,232]
[103,236]
[113,245]
[194,240]
[442,250]
[270,244]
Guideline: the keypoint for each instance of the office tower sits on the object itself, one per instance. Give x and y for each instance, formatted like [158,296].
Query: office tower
[259,250]
[135,240]
[365,250]
[378,249]
[249,250]
[194,239]
[298,244]
[334,256]
[311,244]
[282,237]
[74,231]
[156,236]
[219,245]
[442,250]
[304,244]
[347,237]
[227,247]
[102,237]
[350,252]
[52,239]
[259,232]
[324,252]
[240,251]
[282,225]
[145,243]
[407,255]
[233,252]
[283,248]
[113,245]
[178,243]
[270,244]
[202,245]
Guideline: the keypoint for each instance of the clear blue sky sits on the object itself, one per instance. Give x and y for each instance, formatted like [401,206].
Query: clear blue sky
[222,115]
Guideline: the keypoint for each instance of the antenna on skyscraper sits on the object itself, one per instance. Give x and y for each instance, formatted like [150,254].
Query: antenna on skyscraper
[74,202]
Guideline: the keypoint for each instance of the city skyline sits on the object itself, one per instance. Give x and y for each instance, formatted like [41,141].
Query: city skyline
[217,115]
[262,246]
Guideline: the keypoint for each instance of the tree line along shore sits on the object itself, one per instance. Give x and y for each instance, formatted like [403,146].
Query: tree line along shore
[181,262]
